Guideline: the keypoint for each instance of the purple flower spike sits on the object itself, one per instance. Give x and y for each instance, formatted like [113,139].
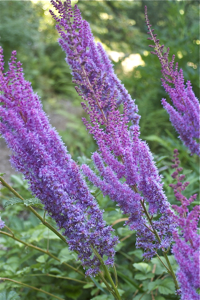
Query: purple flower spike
[127,172]
[184,114]
[39,153]
[187,243]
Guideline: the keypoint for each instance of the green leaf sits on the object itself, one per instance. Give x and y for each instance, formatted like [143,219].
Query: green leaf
[122,231]
[142,276]
[33,202]
[159,298]
[167,286]
[154,284]
[12,201]
[23,271]
[160,269]
[98,285]
[42,258]
[128,280]
[103,297]
[9,295]
[65,255]
[142,297]
[26,202]
[143,267]
[55,271]
[138,253]
[88,285]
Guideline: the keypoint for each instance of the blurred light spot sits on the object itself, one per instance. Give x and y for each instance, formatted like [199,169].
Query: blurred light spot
[198,42]
[116,56]
[134,60]
[146,53]
[179,54]
[132,22]
[191,64]
[105,16]
[181,11]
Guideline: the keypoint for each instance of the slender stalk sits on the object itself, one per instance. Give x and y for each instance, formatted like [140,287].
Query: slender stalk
[33,211]
[107,274]
[163,263]
[170,270]
[106,284]
[41,250]
[31,287]
[55,276]
[115,274]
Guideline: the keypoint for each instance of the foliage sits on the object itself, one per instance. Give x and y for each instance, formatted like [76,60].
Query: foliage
[31,267]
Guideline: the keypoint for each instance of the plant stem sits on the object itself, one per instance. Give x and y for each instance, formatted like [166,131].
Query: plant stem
[33,211]
[41,250]
[31,287]
[61,277]
[117,295]
[170,270]
[163,263]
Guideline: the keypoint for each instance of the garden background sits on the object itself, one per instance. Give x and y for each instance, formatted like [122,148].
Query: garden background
[26,26]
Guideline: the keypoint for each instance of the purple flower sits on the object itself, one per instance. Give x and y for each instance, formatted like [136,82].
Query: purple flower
[39,153]
[187,243]
[127,172]
[2,224]
[184,114]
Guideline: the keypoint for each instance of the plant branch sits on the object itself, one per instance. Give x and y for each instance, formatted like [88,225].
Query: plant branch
[56,276]
[31,287]
[41,250]
[33,211]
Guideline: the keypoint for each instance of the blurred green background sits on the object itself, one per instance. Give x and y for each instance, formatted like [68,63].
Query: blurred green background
[27,27]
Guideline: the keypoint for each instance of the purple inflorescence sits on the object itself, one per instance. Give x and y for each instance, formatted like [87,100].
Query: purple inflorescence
[187,243]
[2,224]
[184,114]
[39,153]
[127,172]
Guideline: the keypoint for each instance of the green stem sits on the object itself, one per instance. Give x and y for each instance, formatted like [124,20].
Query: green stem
[117,295]
[33,211]
[61,277]
[41,250]
[170,270]
[106,284]
[163,263]
[31,287]
[115,274]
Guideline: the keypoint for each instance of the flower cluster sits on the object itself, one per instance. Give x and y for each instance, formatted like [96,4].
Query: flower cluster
[184,114]
[39,153]
[187,243]
[121,153]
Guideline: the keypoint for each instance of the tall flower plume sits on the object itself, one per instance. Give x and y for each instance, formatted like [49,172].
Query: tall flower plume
[187,243]
[184,114]
[121,153]
[39,153]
